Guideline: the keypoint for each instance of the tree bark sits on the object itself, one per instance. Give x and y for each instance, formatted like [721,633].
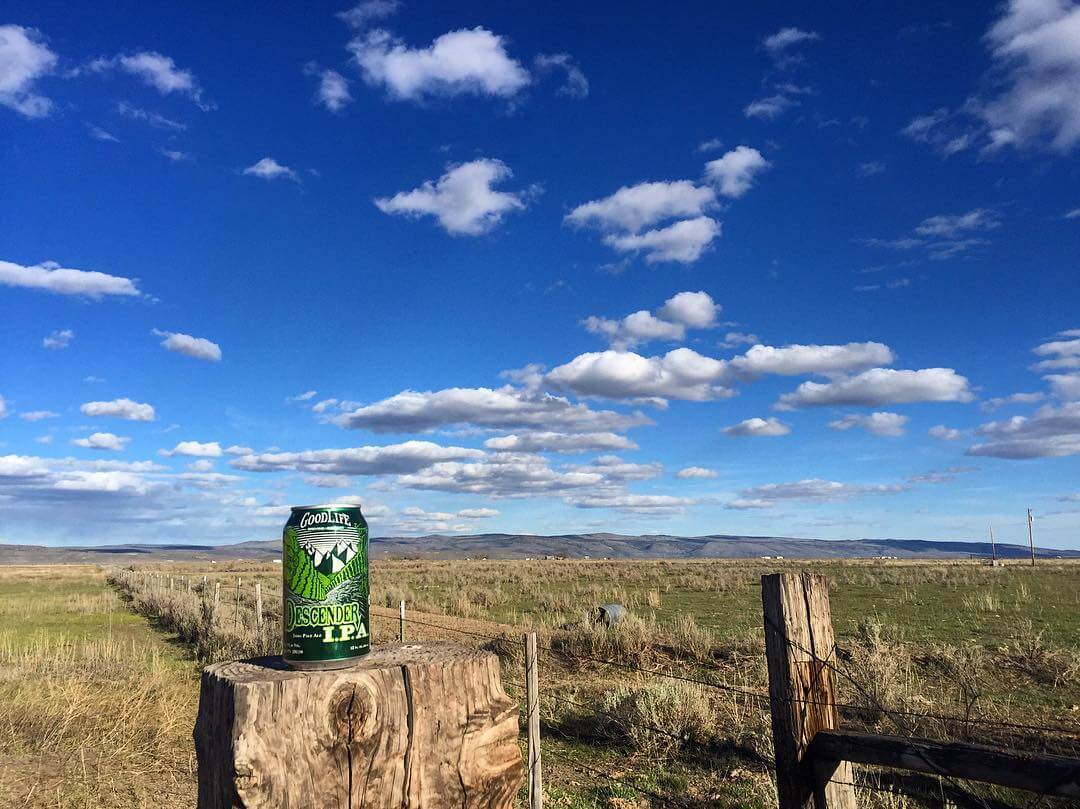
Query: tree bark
[407,726]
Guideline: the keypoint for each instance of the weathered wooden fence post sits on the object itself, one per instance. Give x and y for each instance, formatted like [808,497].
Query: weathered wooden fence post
[258,609]
[799,647]
[236,609]
[424,725]
[217,599]
[401,622]
[532,703]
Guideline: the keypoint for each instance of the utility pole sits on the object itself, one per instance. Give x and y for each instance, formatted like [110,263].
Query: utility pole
[1031,539]
[993,547]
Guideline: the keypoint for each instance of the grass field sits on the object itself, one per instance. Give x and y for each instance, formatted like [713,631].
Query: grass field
[98,704]
[104,699]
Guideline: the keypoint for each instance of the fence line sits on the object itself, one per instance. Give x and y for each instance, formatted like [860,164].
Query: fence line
[825,659]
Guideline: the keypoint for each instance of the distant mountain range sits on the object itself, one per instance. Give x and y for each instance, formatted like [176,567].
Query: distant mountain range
[573,546]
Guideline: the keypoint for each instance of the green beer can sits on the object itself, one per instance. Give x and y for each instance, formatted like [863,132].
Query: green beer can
[325,587]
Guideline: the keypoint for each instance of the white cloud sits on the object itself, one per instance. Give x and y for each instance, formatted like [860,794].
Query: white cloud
[769,107]
[462,199]
[38,415]
[1073,214]
[478,513]
[504,474]
[103,441]
[501,408]
[711,145]
[236,449]
[469,61]
[1013,398]
[622,216]
[270,169]
[102,482]
[1065,386]
[943,236]
[24,58]
[681,311]
[1060,348]
[880,386]
[827,360]
[1031,100]
[921,127]
[361,14]
[944,433]
[787,37]
[695,310]
[51,277]
[695,472]
[945,131]
[734,173]
[683,242]
[871,168]
[632,208]
[152,118]
[738,338]
[1036,47]
[880,423]
[680,374]
[194,449]
[1065,354]
[654,504]
[615,470]
[635,328]
[158,71]
[197,347]
[119,408]
[758,427]
[568,443]
[58,339]
[415,520]
[205,465]
[576,85]
[97,133]
[947,226]
[333,90]
[811,490]
[306,396]
[407,457]
[4,412]
[1052,432]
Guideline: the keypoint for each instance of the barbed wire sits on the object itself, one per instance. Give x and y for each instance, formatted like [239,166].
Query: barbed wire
[931,715]
[700,756]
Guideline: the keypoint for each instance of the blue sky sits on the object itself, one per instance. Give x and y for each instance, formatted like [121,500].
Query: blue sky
[767,269]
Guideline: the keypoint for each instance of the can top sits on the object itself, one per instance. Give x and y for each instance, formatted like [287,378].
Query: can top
[330,506]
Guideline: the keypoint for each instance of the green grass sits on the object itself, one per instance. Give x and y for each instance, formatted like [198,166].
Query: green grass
[928,608]
[102,703]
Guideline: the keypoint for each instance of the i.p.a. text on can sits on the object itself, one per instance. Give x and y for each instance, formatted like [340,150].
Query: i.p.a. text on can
[325,587]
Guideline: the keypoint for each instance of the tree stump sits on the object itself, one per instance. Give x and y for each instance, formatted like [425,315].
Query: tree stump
[408,726]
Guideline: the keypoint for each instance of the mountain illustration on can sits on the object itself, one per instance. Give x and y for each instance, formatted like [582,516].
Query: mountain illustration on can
[325,587]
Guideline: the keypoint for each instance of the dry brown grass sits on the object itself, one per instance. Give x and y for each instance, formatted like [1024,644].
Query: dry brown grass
[101,717]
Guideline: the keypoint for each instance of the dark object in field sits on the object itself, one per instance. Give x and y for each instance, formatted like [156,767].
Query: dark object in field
[610,614]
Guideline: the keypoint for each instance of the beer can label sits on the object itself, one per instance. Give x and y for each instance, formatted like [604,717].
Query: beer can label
[325,585]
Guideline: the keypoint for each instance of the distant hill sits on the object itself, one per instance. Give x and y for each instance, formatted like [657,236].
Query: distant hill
[520,546]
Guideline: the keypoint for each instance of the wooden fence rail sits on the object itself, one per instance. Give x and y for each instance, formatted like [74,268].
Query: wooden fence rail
[814,755]
[1045,774]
